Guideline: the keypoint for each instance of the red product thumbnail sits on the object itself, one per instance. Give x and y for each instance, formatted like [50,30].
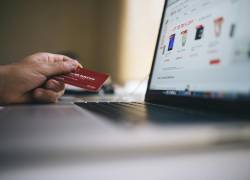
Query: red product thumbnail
[218,26]
[214,62]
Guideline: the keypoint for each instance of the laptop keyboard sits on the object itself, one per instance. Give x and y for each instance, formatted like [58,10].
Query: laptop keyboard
[142,112]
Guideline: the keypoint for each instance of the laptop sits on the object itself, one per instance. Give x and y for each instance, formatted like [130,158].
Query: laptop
[201,62]
[198,94]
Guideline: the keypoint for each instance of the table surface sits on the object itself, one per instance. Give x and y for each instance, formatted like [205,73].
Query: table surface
[221,162]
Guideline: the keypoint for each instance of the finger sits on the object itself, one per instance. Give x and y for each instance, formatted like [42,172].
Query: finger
[54,58]
[58,64]
[54,85]
[46,96]
[26,98]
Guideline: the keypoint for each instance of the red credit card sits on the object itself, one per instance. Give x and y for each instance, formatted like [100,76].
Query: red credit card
[84,78]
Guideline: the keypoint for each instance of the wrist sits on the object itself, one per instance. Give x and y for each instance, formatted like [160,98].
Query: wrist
[4,69]
[2,72]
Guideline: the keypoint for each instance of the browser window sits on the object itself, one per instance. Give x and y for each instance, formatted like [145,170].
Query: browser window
[204,49]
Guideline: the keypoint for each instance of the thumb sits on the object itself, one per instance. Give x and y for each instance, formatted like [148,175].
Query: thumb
[58,64]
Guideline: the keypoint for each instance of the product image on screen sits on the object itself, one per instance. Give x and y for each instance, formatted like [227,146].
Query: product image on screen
[205,46]
[171,42]
[232,30]
[218,25]
[184,37]
[199,32]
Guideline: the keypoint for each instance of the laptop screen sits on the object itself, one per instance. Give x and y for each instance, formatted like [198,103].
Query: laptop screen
[204,50]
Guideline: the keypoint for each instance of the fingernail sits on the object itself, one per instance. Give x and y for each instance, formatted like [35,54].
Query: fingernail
[78,63]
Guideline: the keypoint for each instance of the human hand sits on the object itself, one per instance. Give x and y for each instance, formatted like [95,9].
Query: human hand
[29,80]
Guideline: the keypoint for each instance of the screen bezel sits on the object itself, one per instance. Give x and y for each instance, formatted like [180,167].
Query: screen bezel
[218,105]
